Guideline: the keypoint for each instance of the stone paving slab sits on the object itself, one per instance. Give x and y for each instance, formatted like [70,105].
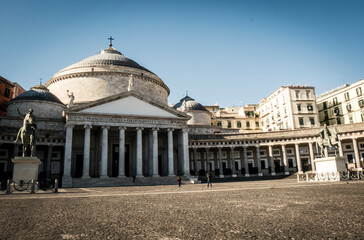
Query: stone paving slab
[280,209]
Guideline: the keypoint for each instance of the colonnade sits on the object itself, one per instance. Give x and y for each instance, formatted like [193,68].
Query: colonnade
[138,156]
[207,148]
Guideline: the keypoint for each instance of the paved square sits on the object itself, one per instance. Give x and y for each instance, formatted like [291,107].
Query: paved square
[276,209]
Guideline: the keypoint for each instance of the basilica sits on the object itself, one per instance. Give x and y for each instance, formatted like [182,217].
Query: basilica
[105,121]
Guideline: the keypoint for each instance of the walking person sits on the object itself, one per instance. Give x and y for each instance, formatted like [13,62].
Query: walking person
[179,180]
[209,181]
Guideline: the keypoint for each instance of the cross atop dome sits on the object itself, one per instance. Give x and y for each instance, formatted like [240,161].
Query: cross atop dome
[110,38]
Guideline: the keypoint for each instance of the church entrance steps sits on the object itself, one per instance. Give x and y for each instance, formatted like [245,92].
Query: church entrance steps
[127,181]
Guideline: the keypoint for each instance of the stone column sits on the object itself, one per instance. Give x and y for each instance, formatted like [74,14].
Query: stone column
[195,160]
[139,153]
[258,161]
[207,159]
[221,169]
[246,165]
[49,160]
[356,153]
[67,179]
[155,152]
[341,153]
[312,156]
[232,158]
[86,152]
[121,173]
[186,160]
[271,160]
[104,151]
[170,152]
[298,157]
[285,162]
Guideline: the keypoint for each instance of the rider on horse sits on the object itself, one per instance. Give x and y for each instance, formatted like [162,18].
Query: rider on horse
[28,132]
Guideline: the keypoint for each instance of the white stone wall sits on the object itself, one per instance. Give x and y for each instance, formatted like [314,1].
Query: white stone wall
[199,118]
[91,83]
[41,109]
[92,88]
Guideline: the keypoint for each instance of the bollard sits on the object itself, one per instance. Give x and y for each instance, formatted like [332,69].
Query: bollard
[8,187]
[56,186]
[32,189]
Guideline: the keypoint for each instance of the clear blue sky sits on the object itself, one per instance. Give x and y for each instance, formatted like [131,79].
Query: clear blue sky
[230,52]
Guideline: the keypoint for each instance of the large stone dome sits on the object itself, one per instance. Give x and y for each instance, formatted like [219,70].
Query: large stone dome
[106,74]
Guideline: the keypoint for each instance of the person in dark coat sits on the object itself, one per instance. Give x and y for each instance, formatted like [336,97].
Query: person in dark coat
[209,180]
[179,180]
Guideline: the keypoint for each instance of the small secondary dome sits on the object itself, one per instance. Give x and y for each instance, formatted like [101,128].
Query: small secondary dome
[38,92]
[190,104]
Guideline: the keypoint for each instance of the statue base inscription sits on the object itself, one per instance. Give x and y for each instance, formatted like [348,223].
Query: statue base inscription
[25,168]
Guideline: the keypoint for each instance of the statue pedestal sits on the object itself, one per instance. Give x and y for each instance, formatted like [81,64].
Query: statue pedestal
[25,168]
[329,168]
[330,164]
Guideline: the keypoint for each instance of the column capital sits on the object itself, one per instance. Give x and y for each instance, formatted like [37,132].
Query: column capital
[139,128]
[184,130]
[155,128]
[122,128]
[232,147]
[245,146]
[170,129]
[257,146]
[69,125]
[87,126]
[105,127]
[354,138]
[207,148]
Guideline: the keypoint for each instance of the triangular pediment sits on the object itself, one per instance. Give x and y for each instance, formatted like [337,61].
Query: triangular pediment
[129,104]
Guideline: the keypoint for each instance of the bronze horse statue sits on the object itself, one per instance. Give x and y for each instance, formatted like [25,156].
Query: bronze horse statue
[327,139]
[28,132]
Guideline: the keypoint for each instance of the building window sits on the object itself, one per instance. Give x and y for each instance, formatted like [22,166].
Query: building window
[299,107]
[362,117]
[312,121]
[239,124]
[336,111]
[297,94]
[358,91]
[334,101]
[308,94]
[229,124]
[347,96]
[361,103]
[247,124]
[301,121]
[7,92]
[257,124]
[309,107]
[219,124]
[348,146]
[324,105]
[348,107]
[338,121]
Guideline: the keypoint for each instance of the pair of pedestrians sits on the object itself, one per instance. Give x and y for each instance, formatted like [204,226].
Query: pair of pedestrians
[208,177]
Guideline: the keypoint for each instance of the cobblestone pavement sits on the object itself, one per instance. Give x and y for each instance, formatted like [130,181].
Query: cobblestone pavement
[279,209]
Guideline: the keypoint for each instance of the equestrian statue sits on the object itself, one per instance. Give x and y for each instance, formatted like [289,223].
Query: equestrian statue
[328,139]
[28,132]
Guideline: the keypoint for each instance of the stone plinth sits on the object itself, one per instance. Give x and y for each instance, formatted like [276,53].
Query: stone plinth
[25,168]
[330,164]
